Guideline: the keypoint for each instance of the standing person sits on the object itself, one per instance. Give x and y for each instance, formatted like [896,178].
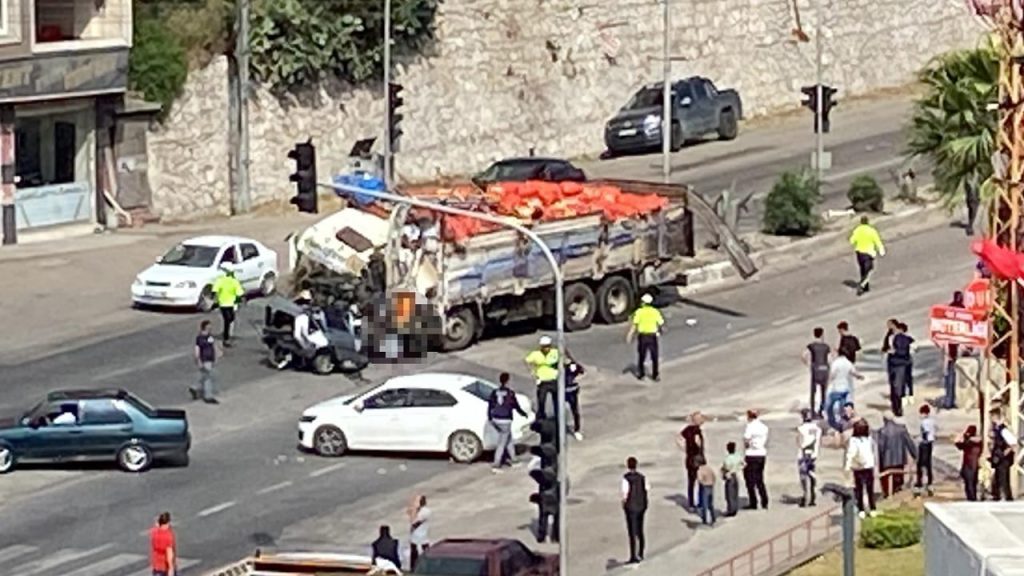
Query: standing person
[228,292]
[419,529]
[162,547]
[849,345]
[894,446]
[634,492]
[867,245]
[706,479]
[816,356]
[924,450]
[808,440]
[903,348]
[385,548]
[890,331]
[841,375]
[691,441]
[500,407]
[647,325]
[731,468]
[755,437]
[970,445]
[1001,454]
[860,461]
[543,363]
[952,353]
[573,372]
[205,354]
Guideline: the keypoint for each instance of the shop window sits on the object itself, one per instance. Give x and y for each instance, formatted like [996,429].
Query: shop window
[64,150]
[27,141]
[46,150]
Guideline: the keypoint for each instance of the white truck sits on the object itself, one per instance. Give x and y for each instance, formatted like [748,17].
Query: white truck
[291,563]
[499,277]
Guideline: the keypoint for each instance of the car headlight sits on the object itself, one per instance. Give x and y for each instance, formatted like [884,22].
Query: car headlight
[652,123]
[138,282]
[306,419]
[185,284]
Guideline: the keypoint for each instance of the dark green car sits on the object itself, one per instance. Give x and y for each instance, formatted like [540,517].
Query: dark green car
[95,425]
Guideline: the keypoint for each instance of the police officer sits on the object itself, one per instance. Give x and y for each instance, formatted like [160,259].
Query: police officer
[543,363]
[573,372]
[647,325]
[228,291]
[867,244]
[1001,456]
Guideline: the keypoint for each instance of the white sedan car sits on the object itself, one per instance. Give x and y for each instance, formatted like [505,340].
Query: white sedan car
[184,276]
[428,412]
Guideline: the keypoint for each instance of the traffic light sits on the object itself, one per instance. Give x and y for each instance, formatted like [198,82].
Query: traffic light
[827,104]
[395,102]
[546,475]
[304,155]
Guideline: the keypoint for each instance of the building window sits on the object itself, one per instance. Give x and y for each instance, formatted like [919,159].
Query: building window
[50,149]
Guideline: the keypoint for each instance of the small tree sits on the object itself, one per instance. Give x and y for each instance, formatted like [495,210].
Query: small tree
[790,209]
[866,195]
[157,64]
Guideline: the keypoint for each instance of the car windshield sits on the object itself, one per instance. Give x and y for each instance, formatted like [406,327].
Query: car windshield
[514,171]
[480,389]
[645,98]
[441,566]
[190,255]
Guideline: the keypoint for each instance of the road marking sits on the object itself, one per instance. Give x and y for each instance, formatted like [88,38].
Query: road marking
[696,348]
[147,364]
[786,320]
[274,488]
[328,470]
[114,374]
[165,358]
[12,552]
[112,564]
[57,558]
[216,509]
[862,170]
[183,564]
[741,333]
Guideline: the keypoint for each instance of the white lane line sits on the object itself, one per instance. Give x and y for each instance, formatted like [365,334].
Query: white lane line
[147,364]
[786,320]
[165,358]
[112,564]
[215,509]
[327,470]
[114,374]
[274,488]
[183,564]
[696,348]
[863,170]
[57,558]
[12,552]
[742,333]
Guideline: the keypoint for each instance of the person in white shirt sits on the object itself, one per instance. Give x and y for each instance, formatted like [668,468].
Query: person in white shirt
[841,375]
[808,440]
[305,331]
[860,461]
[755,438]
[419,530]
[67,416]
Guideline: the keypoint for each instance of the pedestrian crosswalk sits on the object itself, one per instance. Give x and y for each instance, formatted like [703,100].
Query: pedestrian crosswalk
[25,560]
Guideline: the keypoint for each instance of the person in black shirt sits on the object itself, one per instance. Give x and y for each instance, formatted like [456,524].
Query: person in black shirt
[634,502]
[386,548]
[816,356]
[890,331]
[691,441]
[205,356]
[952,353]
[573,372]
[901,362]
[849,344]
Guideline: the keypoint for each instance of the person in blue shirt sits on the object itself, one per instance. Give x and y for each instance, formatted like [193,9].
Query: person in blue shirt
[500,407]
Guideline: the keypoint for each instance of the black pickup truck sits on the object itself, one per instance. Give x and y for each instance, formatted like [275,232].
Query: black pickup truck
[698,109]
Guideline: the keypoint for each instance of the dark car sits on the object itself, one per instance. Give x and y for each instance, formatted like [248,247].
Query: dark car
[95,425]
[530,168]
[484,557]
[344,348]
[698,109]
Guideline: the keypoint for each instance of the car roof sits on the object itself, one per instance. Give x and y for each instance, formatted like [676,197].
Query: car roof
[470,545]
[111,393]
[530,160]
[447,381]
[218,240]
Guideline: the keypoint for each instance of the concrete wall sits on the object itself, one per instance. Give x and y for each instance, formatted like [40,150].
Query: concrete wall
[508,75]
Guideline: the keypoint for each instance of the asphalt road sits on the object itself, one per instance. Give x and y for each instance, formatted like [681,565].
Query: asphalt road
[247,484]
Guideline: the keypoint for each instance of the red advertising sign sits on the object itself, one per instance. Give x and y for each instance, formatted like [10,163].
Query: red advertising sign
[950,325]
[977,297]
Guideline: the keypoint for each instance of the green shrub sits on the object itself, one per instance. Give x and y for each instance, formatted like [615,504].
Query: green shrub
[790,209]
[865,195]
[892,529]
[158,64]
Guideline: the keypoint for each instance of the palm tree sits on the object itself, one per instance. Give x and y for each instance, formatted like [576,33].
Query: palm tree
[952,124]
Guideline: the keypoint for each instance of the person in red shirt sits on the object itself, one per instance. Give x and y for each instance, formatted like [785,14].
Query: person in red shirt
[162,547]
[971,446]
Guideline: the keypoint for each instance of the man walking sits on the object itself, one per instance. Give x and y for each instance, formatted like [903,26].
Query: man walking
[816,356]
[924,450]
[573,372]
[894,446]
[902,361]
[634,502]
[755,437]
[647,325]
[1001,455]
[867,244]
[500,406]
[849,345]
[808,440]
[691,441]
[162,548]
[205,353]
[840,388]
[229,292]
[543,363]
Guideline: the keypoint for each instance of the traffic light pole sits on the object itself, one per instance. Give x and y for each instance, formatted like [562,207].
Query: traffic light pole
[389,173]
[666,103]
[819,135]
[242,200]
[563,460]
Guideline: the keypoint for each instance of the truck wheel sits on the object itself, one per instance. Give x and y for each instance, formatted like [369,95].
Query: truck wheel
[615,300]
[728,127]
[460,329]
[580,307]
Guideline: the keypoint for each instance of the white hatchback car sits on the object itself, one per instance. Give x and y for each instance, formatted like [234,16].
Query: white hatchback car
[428,412]
[183,277]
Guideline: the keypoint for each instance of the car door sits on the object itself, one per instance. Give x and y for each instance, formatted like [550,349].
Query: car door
[250,271]
[377,425]
[105,428]
[704,106]
[50,438]
[429,419]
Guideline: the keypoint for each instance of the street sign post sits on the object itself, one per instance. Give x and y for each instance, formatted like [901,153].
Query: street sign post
[949,325]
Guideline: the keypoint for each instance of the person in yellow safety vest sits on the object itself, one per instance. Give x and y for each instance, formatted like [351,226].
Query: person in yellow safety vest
[867,244]
[544,364]
[228,292]
[647,325]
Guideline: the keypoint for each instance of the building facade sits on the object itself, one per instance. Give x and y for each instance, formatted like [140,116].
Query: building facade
[63,78]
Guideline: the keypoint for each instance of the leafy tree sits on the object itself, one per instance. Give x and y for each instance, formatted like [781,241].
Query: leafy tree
[952,124]
[157,64]
[790,208]
[865,194]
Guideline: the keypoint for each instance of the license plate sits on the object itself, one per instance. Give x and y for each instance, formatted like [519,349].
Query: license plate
[154,294]
[628,132]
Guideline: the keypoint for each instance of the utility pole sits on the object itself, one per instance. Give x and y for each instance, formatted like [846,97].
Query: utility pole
[389,164]
[819,136]
[666,104]
[242,200]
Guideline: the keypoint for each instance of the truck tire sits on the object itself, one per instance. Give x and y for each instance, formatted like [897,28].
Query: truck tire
[615,300]
[460,329]
[728,127]
[580,307]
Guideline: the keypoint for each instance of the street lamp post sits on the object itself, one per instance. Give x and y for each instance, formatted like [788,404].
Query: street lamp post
[666,95]
[563,460]
[388,152]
